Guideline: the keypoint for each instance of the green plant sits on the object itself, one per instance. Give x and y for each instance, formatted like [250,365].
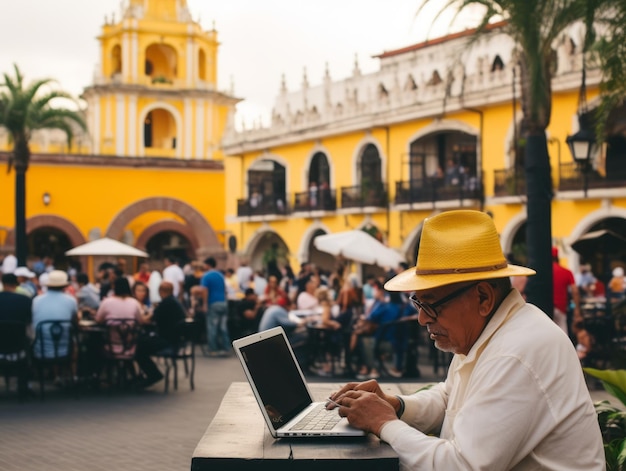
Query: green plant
[612,419]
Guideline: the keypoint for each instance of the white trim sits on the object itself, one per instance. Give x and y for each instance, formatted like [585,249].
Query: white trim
[510,230]
[190,62]
[358,153]
[307,166]
[120,125]
[303,254]
[187,143]
[132,125]
[96,122]
[134,55]
[200,152]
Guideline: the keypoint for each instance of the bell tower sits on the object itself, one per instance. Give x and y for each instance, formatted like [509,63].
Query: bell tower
[155,88]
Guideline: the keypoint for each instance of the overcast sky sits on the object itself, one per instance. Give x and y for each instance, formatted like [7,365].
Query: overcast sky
[260,40]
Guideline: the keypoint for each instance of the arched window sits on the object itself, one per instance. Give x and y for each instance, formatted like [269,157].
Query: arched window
[201,64]
[370,165]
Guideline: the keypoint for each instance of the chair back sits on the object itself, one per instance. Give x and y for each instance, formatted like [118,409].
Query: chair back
[186,338]
[121,338]
[12,338]
[54,339]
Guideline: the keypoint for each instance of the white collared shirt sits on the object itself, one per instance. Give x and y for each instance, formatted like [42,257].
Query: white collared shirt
[517,401]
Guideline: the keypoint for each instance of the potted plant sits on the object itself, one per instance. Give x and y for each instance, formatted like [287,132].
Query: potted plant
[612,419]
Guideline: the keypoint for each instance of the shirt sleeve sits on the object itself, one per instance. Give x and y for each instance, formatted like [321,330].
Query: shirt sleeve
[495,425]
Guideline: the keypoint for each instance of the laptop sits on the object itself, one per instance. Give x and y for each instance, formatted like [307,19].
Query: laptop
[281,391]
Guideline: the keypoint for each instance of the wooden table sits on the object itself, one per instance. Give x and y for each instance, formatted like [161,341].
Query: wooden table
[238,439]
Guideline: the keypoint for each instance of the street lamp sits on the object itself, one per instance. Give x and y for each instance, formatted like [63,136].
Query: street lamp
[582,144]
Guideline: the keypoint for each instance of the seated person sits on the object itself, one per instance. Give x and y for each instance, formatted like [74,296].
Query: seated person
[367,332]
[295,327]
[307,300]
[88,296]
[14,306]
[54,304]
[274,294]
[166,317]
[248,313]
[121,305]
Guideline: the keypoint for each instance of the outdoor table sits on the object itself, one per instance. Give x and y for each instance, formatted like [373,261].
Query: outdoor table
[238,439]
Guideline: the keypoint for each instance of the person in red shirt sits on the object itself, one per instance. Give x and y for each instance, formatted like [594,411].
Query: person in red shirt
[563,286]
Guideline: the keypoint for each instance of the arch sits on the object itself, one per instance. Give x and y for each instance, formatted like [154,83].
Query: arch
[42,221]
[583,226]
[262,236]
[142,118]
[116,60]
[305,240]
[512,226]
[204,234]
[442,125]
[164,226]
[358,153]
[317,149]
[164,60]
[410,83]
[497,64]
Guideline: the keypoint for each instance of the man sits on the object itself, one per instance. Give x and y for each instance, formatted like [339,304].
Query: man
[54,304]
[87,296]
[175,275]
[515,397]
[564,286]
[166,317]
[244,274]
[14,306]
[143,274]
[9,263]
[26,285]
[217,314]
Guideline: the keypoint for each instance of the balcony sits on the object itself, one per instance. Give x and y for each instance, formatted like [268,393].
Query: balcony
[366,195]
[322,200]
[509,182]
[572,178]
[432,190]
[262,207]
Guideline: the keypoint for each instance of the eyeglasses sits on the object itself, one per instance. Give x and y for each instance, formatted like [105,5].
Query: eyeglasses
[431,309]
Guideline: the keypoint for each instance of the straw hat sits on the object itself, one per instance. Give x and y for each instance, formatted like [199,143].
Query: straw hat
[57,279]
[456,246]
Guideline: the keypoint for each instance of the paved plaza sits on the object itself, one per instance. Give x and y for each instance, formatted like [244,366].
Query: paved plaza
[130,431]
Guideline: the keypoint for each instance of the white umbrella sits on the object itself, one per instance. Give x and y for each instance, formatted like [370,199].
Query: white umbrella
[358,246]
[108,247]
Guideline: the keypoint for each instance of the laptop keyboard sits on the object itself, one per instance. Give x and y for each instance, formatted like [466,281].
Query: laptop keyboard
[318,419]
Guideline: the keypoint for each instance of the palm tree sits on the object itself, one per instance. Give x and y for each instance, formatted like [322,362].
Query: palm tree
[23,109]
[535,25]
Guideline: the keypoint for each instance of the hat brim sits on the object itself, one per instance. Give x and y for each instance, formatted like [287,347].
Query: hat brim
[408,280]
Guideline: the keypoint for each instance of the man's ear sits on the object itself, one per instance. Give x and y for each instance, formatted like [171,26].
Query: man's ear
[487,298]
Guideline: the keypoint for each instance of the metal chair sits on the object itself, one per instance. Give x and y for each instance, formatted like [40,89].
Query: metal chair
[120,345]
[55,345]
[183,350]
[14,354]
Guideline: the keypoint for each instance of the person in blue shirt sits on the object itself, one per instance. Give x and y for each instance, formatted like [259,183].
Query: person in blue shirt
[218,338]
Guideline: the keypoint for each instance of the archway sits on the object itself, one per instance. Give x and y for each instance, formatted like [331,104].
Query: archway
[203,234]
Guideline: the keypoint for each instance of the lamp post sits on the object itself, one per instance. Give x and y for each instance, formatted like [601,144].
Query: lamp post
[582,144]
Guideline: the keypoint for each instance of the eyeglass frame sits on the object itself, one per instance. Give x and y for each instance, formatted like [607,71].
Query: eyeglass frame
[431,309]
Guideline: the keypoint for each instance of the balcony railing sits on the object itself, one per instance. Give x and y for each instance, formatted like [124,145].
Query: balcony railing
[509,182]
[430,190]
[321,200]
[571,177]
[373,194]
[263,207]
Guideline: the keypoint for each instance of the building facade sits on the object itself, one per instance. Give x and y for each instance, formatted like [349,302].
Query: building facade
[150,170]
[436,128]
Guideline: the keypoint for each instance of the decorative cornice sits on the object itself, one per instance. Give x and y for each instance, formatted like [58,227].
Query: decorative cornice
[123,162]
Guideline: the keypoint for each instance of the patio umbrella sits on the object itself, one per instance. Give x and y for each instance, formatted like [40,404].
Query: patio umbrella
[358,246]
[107,247]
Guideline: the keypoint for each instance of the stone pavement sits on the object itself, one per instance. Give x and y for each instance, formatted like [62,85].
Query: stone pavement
[129,431]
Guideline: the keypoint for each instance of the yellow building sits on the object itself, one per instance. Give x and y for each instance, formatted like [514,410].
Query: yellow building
[150,170]
[425,133]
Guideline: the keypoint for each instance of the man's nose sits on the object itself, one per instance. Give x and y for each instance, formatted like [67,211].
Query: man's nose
[423,319]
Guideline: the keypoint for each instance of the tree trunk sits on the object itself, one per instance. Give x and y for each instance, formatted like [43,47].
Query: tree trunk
[21,157]
[539,222]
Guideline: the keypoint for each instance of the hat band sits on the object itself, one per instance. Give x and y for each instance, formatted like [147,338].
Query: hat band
[450,271]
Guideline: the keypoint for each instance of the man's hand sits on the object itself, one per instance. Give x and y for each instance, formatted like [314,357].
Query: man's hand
[366,410]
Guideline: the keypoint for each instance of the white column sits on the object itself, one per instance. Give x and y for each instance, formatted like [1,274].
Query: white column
[187,126]
[200,112]
[132,126]
[134,55]
[95,124]
[208,128]
[120,125]
[191,72]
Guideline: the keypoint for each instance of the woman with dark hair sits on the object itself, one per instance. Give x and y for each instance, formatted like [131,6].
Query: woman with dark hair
[121,305]
[141,293]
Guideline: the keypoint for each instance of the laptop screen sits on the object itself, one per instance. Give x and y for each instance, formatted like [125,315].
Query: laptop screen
[274,372]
